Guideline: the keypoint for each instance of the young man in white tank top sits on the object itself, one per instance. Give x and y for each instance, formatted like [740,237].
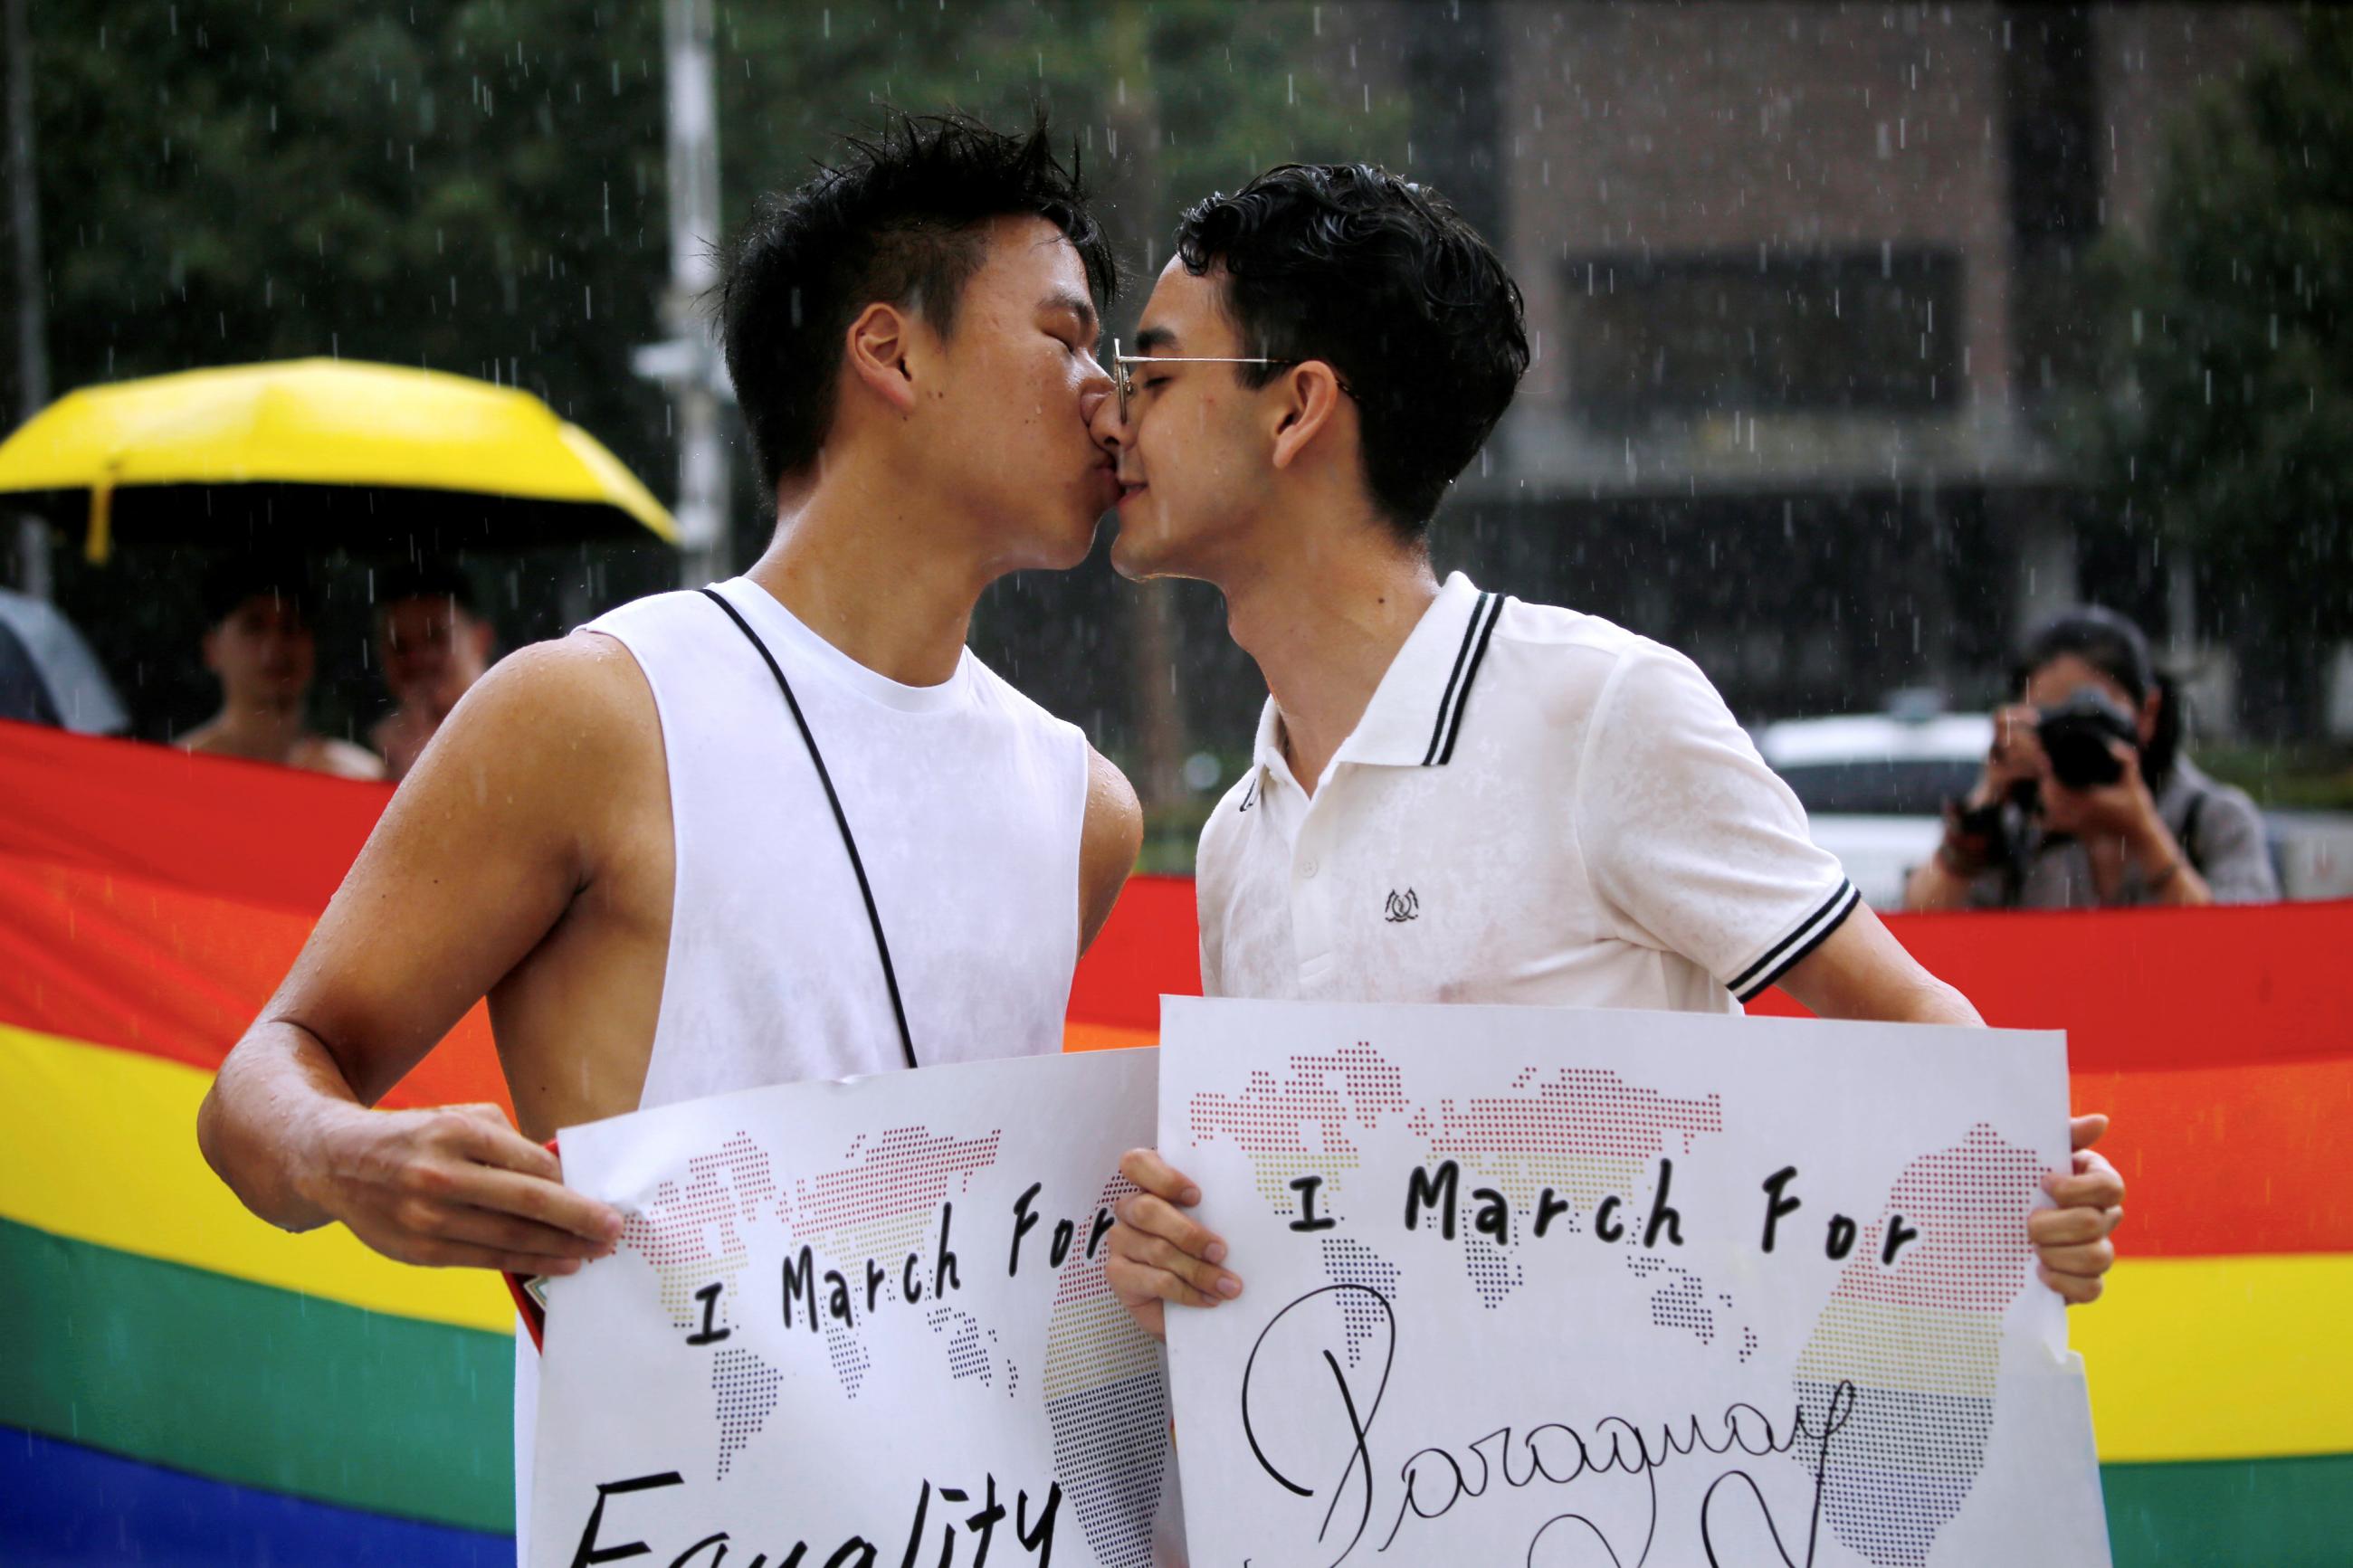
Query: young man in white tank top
[639,845]
[1455,796]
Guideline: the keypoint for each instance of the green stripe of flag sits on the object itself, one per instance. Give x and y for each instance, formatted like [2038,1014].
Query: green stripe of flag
[2231,1513]
[260,1386]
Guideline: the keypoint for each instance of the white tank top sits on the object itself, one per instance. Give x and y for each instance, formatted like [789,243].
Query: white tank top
[966,800]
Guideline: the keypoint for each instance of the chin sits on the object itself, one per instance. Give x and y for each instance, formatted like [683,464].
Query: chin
[1135,559]
[1077,542]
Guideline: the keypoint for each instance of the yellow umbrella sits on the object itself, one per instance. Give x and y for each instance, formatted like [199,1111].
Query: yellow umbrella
[367,455]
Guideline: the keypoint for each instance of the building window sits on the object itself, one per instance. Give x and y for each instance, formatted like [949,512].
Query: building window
[1874,329]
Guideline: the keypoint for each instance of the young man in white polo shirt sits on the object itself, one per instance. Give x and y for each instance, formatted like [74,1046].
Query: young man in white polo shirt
[1454,796]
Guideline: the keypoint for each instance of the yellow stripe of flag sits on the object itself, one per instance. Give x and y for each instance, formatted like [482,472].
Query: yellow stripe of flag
[2221,1358]
[2194,1358]
[100,1145]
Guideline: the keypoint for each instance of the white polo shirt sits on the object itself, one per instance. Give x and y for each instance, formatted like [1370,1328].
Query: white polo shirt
[1537,807]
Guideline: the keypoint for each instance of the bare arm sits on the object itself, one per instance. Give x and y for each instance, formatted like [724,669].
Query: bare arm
[1107,846]
[477,856]
[1862,972]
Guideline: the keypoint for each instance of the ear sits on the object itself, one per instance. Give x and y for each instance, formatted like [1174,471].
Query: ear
[211,645]
[1309,401]
[2148,711]
[875,352]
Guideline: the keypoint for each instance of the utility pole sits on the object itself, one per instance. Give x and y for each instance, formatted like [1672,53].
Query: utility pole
[32,288]
[689,365]
[1132,195]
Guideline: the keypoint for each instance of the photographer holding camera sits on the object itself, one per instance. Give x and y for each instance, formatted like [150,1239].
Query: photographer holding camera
[2087,801]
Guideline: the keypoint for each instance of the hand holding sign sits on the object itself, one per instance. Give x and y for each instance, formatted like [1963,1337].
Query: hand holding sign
[1158,1253]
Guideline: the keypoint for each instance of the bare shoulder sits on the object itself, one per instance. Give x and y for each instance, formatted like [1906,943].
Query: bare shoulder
[345,761]
[565,728]
[1108,842]
[1114,815]
[580,697]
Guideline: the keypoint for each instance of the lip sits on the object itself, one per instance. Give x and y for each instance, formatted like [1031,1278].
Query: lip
[1129,490]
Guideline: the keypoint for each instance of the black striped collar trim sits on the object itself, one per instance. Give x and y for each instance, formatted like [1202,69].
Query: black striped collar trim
[1785,954]
[1457,696]
[1415,714]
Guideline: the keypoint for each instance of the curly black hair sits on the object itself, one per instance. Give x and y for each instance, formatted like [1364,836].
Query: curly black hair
[896,221]
[1382,279]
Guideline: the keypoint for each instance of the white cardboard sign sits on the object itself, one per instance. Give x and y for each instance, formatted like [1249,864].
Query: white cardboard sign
[1549,1288]
[857,1323]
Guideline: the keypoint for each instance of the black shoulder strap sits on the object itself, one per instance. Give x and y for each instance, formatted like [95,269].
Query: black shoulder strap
[882,948]
[2190,826]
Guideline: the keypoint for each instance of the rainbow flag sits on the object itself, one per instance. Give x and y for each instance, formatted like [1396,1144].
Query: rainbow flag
[181,1382]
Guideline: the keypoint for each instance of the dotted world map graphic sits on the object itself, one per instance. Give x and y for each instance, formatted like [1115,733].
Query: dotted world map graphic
[1920,1341]
[1105,1402]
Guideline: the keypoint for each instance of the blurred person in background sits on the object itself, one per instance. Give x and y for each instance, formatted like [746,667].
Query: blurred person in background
[2086,800]
[258,642]
[433,644]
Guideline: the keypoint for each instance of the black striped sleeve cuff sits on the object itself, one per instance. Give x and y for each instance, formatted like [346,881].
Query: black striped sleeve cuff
[1778,961]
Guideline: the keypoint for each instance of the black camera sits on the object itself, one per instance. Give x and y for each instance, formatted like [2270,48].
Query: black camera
[2077,735]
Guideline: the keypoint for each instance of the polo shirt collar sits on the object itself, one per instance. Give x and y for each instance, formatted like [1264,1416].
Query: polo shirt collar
[1416,709]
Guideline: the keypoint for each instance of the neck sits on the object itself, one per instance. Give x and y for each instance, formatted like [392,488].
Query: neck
[1325,625]
[269,729]
[859,562]
[430,706]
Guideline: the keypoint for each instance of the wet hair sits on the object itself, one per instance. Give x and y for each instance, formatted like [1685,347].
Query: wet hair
[898,221]
[2119,649]
[230,580]
[1383,280]
[428,579]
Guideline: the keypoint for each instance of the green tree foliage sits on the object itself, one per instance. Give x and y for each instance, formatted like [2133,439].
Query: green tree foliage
[2232,425]
[1213,90]
[478,186]
[472,187]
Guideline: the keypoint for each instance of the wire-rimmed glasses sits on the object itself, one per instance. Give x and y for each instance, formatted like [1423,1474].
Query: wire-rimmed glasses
[1123,382]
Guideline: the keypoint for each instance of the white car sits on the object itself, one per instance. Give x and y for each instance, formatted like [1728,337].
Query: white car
[1875,786]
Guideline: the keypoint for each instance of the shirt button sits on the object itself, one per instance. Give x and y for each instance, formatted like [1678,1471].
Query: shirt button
[1307,869]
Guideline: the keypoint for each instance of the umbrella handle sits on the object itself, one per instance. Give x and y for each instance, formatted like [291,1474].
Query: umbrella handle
[99,541]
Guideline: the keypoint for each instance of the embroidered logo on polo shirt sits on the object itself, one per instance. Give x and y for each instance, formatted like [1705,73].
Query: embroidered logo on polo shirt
[1402,907]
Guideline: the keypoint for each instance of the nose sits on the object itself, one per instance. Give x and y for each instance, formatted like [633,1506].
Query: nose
[1105,425]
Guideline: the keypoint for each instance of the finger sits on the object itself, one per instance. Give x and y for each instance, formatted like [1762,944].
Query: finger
[2076,1292]
[1151,1316]
[2067,1227]
[485,1136]
[549,1202]
[1147,1170]
[2097,1186]
[2082,1131]
[1207,1278]
[465,1255]
[2086,1262]
[506,1233]
[1155,1216]
[1132,1282]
